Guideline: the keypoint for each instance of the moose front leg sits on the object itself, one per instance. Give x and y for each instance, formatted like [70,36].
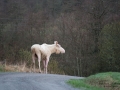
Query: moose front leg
[45,64]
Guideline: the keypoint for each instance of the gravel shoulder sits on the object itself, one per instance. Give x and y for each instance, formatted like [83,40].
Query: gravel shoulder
[35,81]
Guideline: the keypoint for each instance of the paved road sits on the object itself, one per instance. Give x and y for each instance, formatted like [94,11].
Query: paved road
[35,81]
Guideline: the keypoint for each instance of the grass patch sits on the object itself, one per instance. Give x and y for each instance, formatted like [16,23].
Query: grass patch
[83,85]
[13,68]
[101,81]
[1,68]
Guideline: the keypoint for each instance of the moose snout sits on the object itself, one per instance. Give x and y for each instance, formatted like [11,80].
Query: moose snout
[63,51]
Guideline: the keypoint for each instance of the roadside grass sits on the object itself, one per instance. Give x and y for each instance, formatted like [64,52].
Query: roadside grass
[1,68]
[83,85]
[13,68]
[100,81]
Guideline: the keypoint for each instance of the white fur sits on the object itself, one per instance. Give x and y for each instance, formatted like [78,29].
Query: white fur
[44,52]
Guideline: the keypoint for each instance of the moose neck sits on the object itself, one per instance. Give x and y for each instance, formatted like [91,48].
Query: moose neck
[52,48]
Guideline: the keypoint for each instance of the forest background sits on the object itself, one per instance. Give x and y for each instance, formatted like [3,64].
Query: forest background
[89,30]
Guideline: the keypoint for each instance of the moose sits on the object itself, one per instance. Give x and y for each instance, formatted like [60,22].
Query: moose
[43,53]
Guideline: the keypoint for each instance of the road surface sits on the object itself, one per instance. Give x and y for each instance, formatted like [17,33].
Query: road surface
[35,81]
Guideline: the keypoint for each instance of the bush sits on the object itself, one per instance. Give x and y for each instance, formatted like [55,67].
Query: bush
[110,47]
[53,67]
[25,56]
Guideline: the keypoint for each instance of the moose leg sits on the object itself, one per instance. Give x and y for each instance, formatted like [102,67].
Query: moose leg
[46,64]
[39,66]
[39,59]
[44,61]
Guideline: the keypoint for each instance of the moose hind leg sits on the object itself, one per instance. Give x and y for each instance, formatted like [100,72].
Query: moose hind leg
[39,59]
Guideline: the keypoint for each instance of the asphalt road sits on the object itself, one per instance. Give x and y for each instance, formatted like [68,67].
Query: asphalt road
[35,81]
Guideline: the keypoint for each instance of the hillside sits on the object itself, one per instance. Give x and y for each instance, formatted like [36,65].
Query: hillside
[87,29]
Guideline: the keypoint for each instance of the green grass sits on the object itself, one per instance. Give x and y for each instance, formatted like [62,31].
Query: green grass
[100,81]
[1,68]
[83,85]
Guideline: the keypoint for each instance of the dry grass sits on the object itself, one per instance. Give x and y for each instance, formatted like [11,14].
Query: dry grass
[24,68]
[16,68]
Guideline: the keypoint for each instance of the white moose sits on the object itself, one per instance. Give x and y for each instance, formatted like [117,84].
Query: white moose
[43,52]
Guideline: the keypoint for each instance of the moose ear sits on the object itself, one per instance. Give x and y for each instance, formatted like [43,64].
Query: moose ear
[56,42]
